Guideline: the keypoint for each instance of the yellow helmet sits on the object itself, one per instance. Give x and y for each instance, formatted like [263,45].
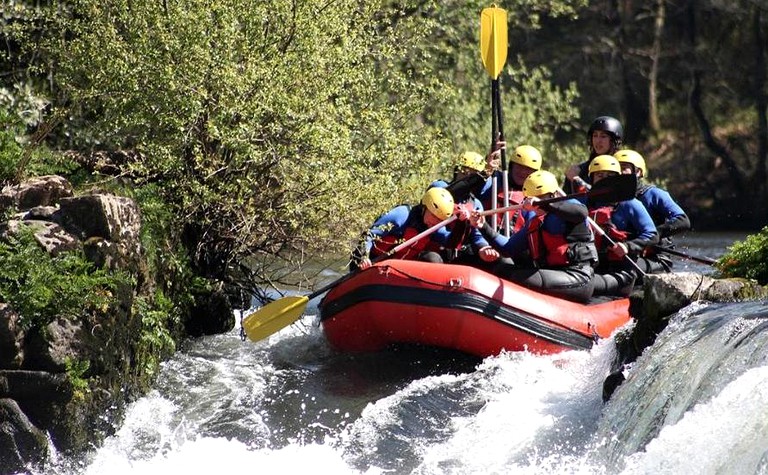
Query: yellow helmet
[439,202]
[630,156]
[472,160]
[528,156]
[604,163]
[539,183]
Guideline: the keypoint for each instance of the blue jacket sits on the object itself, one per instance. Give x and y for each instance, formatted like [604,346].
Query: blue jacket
[631,217]
[667,215]
[396,221]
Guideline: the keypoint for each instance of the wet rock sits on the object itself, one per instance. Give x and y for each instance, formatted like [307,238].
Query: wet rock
[211,314]
[21,443]
[661,297]
[49,350]
[51,237]
[11,339]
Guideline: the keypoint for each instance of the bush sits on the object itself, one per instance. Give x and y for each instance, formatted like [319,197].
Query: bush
[10,149]
[747,259]
[41,287]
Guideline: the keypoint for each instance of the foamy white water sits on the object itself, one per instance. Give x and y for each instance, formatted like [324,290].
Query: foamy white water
[694,403]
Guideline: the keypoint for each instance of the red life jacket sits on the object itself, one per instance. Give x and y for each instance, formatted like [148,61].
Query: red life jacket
[547,249]
[459,230]
[384,244]
[516,220]
[602,216]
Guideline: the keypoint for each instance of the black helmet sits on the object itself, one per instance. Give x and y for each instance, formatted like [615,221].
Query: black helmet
[607,124]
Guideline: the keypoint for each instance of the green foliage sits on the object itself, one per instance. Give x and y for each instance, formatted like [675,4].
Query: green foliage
[10,149]
[536,111]
[21,108]
[158,315]
[76,371]
[280,129]
[41,287]
[540,113]
[747,259]
[262,121]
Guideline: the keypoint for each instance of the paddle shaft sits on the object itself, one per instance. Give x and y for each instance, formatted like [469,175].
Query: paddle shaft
[699,259]
[610,189]
[605,235]
[389,253]
[493,51]
[504,163]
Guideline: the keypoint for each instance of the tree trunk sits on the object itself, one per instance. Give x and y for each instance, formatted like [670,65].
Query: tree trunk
[653,76]
[635,112]
[738,182]
[761,104]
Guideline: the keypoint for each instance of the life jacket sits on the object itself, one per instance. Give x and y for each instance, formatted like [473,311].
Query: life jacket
[602,216]
[459,231]
[547,249]
[384,244]
[516,219]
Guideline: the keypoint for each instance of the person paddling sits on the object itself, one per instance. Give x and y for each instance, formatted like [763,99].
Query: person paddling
[465,244]
[667,215]
[627,224]
[555,238]
[403,222]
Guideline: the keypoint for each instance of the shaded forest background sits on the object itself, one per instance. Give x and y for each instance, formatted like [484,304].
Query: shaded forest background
[258,137]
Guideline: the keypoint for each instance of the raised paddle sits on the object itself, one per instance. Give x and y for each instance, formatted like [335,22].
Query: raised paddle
[493,39]
[699,259]
[610,189]
[493,51]
[282,312]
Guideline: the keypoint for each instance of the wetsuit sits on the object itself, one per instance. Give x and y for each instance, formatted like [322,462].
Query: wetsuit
[559,243]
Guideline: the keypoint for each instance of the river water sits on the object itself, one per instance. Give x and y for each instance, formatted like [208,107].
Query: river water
[696,402]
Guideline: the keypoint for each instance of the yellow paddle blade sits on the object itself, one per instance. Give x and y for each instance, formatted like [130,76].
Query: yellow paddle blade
[493,39]
[273,317]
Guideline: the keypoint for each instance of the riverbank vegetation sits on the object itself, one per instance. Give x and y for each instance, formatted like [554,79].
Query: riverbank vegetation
[252,133]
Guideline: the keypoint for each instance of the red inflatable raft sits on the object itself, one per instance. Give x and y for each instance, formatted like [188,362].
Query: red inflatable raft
[458,307]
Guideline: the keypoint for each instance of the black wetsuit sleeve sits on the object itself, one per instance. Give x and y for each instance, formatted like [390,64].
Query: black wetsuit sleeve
[637,245]
[461,189]
[674,226]
[568,211]
[488,232]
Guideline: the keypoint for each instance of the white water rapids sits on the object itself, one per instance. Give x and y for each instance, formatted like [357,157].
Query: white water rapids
[694,403]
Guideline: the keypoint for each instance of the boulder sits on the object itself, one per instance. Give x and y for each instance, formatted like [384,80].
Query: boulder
[661,297]
[40,191]
[21,443]
[51,237]
[11,339]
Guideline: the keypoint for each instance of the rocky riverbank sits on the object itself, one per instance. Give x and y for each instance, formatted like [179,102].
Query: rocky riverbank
[64,384]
